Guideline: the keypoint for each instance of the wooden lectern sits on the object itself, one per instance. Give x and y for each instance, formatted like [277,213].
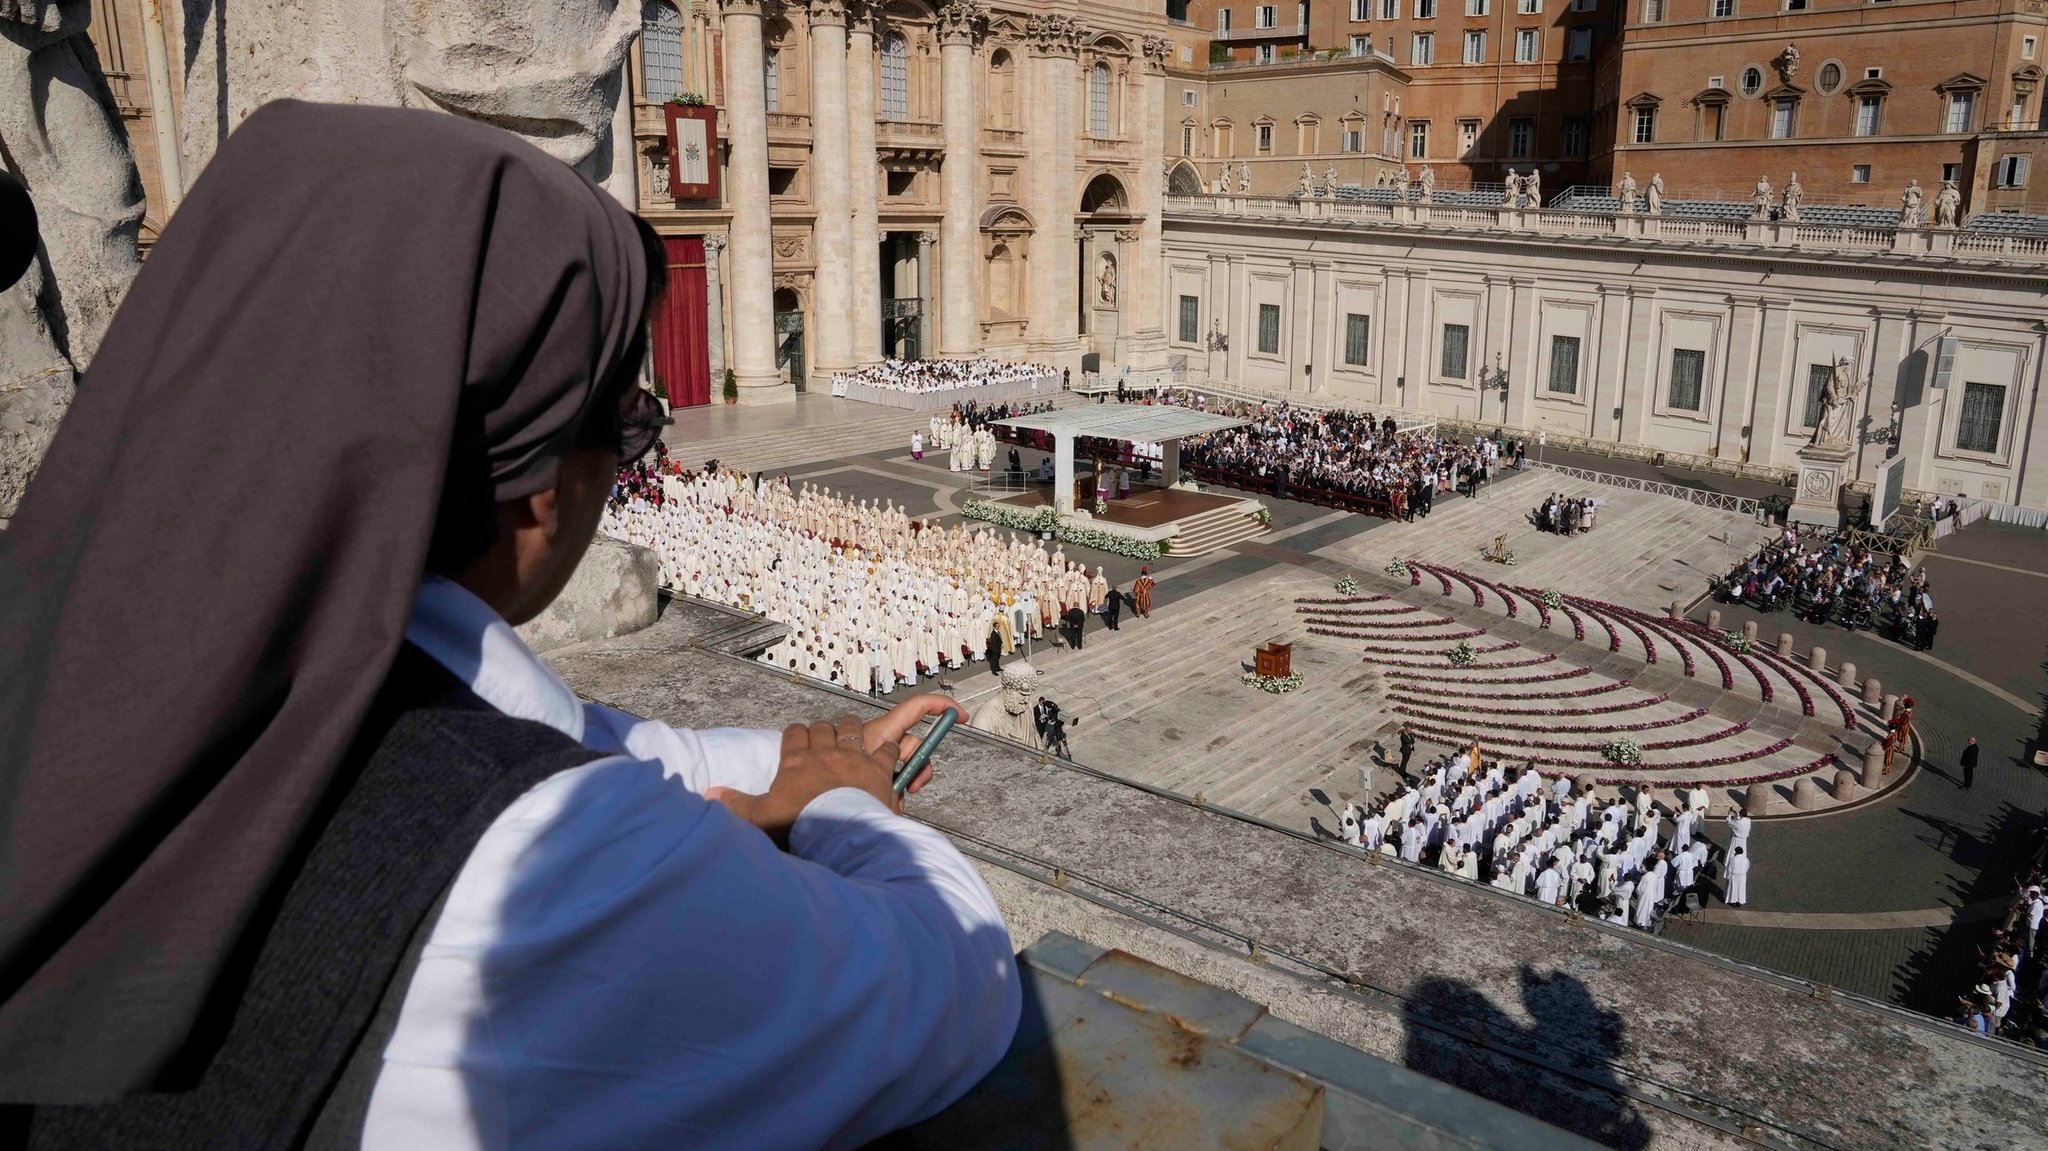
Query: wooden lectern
[1275,660]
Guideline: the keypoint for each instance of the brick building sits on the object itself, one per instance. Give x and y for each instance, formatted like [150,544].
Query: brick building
[1857,97]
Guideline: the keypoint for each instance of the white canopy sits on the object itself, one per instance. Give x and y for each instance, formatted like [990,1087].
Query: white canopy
[1162,424]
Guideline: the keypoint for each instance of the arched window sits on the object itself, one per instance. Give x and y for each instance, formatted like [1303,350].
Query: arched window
[1002,101]
[895,77]
[771,75]
[1098,99]
[661,50]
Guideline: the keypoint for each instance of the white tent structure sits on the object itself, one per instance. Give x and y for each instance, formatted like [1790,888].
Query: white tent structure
[1162,424]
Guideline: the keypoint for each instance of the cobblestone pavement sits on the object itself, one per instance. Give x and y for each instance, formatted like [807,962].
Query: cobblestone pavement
[1920,848]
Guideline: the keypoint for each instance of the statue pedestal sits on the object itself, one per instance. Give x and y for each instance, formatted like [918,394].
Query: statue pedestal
[1823,469]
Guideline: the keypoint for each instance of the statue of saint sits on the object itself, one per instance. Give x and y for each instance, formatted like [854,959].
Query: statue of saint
[1401,181]
[1330,180]
[1244,178]
[1911,213]
[1532,187]
[1106,281]
[1428,185]
[1837,406]
[1947,204]
[1789,210]
[1627,193]
[1761,199]
[1307,187]
[1656,196]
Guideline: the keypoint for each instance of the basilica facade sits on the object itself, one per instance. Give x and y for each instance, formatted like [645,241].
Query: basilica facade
[902,179]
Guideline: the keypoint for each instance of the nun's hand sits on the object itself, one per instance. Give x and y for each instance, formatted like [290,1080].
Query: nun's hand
[822,757]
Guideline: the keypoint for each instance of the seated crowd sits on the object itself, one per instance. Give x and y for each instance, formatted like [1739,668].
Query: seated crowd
[943,375]
[1519,831]
[1832,581]
[874,599]
[2010,996]
[1309,453]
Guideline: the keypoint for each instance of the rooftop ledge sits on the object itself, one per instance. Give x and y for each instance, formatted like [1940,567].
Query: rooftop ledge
[1625,1038]
[1946,245]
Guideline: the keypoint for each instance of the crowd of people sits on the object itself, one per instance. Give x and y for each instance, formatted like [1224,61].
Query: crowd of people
[942,375]
[874,599]
[2010,996]
[1532,835]
[968,434]
[1308,452]
[1832,581]
[1566,516]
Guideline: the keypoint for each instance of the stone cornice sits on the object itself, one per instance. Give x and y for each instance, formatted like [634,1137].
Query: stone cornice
[1155,49]
[741,7]
[1055,35]
[961,22]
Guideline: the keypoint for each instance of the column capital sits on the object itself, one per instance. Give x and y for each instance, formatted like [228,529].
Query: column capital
[1055,35]
[740,7]
[713,245]
[827,11]
[1156,49]
[927,239]
[1128,235]
[961,22]
[861,16]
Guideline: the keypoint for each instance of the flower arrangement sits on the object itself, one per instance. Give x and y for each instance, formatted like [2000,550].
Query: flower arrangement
[1737,642]
[1508,557]
[1623,751]
[1552,599]
[1264,517]
[1044,519]
[1397,569]
[1347,586]
[1274,684]
[1374,598]
[687,100]
[1101,506]
[1463,655]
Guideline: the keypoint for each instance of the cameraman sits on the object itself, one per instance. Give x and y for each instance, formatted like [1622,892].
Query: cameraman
[1052,727]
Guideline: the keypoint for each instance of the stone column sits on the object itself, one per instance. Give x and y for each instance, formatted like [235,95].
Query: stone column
[1639,371]
[1063,473]
[1145,318]
[1525,356]
[960,27]
[1738,376]
[714,309]
[1766,422]
[746,190]
[861,167]
[831,193]
[1324,348]
[1300,323]
[924,295]
[1051,131]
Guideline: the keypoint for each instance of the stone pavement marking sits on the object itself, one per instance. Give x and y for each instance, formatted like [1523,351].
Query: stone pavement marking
[1983,564]
[1981,911]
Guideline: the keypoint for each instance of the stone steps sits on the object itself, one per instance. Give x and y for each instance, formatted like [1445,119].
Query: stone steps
[1215,530]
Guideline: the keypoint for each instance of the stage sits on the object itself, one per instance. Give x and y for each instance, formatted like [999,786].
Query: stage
[1147,507]
[1187,521]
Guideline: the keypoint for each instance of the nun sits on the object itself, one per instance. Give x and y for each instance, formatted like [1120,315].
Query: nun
[299,844]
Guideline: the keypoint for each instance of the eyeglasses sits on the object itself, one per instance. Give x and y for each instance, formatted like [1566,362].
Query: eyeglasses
[640,422]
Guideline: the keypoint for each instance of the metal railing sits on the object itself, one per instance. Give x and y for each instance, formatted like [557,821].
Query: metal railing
[1644,453]
[1720,501]
[1405,419]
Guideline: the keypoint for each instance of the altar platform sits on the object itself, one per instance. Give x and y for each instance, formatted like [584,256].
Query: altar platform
[1195,522]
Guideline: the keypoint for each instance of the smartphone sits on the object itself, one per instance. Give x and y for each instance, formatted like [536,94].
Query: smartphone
[923,755]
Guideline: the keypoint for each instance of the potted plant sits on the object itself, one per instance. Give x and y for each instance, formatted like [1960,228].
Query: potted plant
[732,387]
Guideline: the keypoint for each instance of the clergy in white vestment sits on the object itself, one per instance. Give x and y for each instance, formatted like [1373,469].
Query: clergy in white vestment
[1738,830]
[1737,877]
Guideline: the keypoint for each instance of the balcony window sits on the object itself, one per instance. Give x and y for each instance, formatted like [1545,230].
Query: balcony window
[1578,43]
[2010,172]
[771,77]
[1263,54]
[661,50]
[1266,16]
[1646,126]
[1424,50]
[1223,22]
[1418,139]
[1475,47]
[1983,415]
[1269,329]
[1961,106]
[1575,133]
[1425,9]
[1528,43]
[1868,109]
[1457,341]
[895,77]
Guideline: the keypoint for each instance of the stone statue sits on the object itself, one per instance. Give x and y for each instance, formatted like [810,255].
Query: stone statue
[1307,187]
[1428,185]
[1532,187]
[1656,196]
[1010,717]
[1106,281]
[1401,181]
[1789,209]
[1911,213]
[1760,200]
[1947,204]
[1627,193]
[1244,178]
[1222,184]
[61,135]
[1837,406]
[1787,63]
[1330,180]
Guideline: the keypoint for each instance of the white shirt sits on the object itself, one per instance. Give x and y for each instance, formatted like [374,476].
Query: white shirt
[622,963]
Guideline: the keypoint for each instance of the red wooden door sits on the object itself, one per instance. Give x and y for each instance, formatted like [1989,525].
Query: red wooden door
[682,357]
